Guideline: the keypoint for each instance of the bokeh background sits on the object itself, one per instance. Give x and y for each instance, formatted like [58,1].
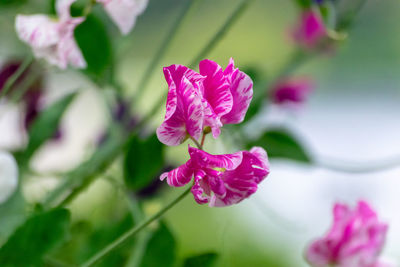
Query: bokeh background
[351,121]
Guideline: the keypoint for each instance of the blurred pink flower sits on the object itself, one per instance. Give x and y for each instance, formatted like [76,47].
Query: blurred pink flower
[291,91]
[221,180]
[209,99]
[124,12]
[52,39]
[310,30]
[355,239]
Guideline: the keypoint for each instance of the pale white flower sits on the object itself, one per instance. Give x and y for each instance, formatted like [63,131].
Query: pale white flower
[124,12]
[8,175]
[50,38]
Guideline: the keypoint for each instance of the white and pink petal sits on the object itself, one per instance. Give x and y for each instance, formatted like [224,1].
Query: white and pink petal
[179,176]
[241,87]
[39,31]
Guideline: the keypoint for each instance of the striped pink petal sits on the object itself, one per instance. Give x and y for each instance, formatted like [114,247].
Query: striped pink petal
[241,87]
[184,110]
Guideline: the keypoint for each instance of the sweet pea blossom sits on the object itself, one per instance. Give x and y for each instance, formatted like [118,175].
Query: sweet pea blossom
[210,98]
[8,175]
[52,39]
[355,239]
[310,30]
[291,91]
[124,12]
[221,180]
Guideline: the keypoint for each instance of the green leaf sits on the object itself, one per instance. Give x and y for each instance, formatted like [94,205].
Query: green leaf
[12,2]
[203,260]
[94,42]
[304,3]
[12,214]
[281,144]
[39,235]
[144,159]
[160,249]
[45,126]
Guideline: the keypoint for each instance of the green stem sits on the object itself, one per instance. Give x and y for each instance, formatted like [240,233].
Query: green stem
[199,146]
[17,74]
[163,48]
[237,13]
[130,233]
[25,86]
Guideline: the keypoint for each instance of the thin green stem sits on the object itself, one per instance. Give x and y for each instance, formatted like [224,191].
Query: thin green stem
[203,138]
[199,146]
[17,74]
[237,13]
[163,48]
[130,233]
[25,86]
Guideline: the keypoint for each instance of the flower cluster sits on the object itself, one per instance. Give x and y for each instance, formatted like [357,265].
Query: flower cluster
[355,239]
[53,38]
[199,103]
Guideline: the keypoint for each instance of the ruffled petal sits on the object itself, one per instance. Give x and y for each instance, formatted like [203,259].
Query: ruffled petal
[39,31]
[184,110]
[200,188]
[124,12]
[206,160]
[216,87]
[179,176]
[241,182]
[241,87]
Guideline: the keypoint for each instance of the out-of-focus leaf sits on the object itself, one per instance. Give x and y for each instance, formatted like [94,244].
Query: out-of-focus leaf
[304,3]
[12,2]
[160,249]
[39,235]
[280,143]
[143,161]
[97,239]
[203,260]
[46,125]
[93,40]
[12,214]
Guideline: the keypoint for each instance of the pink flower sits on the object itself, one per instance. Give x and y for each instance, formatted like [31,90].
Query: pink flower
[52,39]
[221,180]
[291,91]
[355,239]
[310,30]
[209,99]
[124,12]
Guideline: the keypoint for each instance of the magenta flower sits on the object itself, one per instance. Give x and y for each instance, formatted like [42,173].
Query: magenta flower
[124,12]
[310,30]
[221,180]
[291,91]
[355,239]
[209,99]
[52,39]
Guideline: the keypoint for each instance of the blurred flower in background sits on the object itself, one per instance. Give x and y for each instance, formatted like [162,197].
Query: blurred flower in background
[8,175]
[356,239]
[52,39]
